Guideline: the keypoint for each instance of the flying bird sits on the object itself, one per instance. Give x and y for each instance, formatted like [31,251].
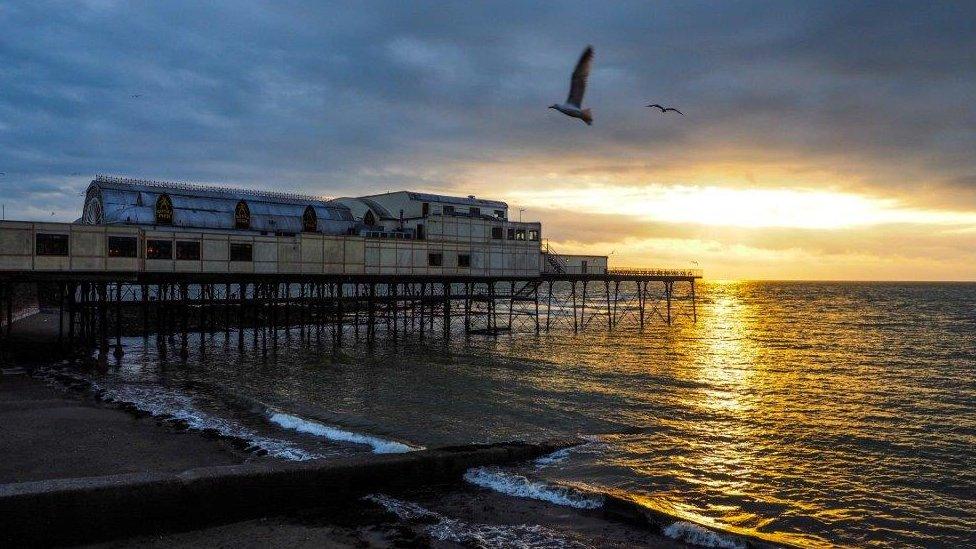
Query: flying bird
[577,87]
[665,109]
[136,95]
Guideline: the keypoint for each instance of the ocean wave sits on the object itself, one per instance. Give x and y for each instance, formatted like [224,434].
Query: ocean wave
[551,459]
[307,426]
[480,535]
[494,478]
[694,534]
[591,442]
[176,406]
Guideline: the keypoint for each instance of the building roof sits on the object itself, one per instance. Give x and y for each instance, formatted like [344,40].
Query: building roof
[119,200]
[442,198]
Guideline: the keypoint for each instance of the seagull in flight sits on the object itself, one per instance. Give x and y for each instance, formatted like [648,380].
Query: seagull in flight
[665,109]
[136,95]
[577,86]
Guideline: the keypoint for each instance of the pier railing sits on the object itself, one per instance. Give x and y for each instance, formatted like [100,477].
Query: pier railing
[693,273]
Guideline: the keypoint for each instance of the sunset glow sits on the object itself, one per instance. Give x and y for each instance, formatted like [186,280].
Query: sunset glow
[805,209]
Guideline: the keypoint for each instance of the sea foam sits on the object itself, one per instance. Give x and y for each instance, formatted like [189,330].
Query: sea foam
[512,484]
[691,533]
[479,535]
[176,406]
[307,426]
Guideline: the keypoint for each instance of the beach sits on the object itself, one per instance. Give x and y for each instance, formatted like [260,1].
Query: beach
[58,431]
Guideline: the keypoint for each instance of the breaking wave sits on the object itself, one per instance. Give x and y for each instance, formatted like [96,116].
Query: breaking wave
[512,484]
[307,426]
[480,535]
[178,407]
[693,534]
[551,459]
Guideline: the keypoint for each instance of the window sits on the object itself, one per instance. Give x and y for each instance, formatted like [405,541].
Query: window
[420,232]
[583,266]
[310,221]
[520,234]
[159,249]
[497,233]
[369,219]
[435,260]
[475,211]
[187,250]
[240,251]
[500,214]
[164,210]
[122,246]
[52,244]
[533,235]
[511,234]
[242,216]
[448,210]
[464,260]
[425,209]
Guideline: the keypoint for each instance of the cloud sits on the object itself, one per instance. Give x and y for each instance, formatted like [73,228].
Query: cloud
[349,98]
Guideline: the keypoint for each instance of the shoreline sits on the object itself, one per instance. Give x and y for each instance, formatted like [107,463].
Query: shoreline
[171,445]
[120,439]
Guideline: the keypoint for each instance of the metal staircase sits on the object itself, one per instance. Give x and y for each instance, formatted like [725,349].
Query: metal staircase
[555,260]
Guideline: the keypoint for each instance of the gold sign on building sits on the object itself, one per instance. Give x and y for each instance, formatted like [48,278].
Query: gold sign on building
[242,216]
[164,210]
[310,222]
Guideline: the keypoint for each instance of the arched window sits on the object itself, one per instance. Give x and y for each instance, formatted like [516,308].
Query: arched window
[310,221]
[164,210]
[242,216]
[369,219]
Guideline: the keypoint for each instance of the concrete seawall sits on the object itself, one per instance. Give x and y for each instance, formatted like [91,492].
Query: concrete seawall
[91,509]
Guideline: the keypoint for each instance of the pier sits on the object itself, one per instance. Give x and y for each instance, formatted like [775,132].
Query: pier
[170,259]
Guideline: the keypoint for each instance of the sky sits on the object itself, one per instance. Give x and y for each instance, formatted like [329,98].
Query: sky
[820,140]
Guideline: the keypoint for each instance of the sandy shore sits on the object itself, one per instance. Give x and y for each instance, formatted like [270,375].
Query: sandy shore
[48,433]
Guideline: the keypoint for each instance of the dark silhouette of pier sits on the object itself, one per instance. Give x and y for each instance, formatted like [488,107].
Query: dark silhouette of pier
[97,309]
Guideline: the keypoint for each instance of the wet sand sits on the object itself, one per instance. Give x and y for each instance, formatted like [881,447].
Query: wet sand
[49,433]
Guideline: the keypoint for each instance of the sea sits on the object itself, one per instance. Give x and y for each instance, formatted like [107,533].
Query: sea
[813,414]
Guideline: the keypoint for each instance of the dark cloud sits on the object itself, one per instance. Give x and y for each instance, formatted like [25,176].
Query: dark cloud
[353,97]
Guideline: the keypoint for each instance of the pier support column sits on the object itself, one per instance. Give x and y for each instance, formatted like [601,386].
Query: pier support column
[447,310]
[549,307]
[62,295]
[583,306]
[467,307]
[184,312]
[641,301]
[371,312]
[72,297]
[118,321]
[668,288]
[102,322]
[575,324]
